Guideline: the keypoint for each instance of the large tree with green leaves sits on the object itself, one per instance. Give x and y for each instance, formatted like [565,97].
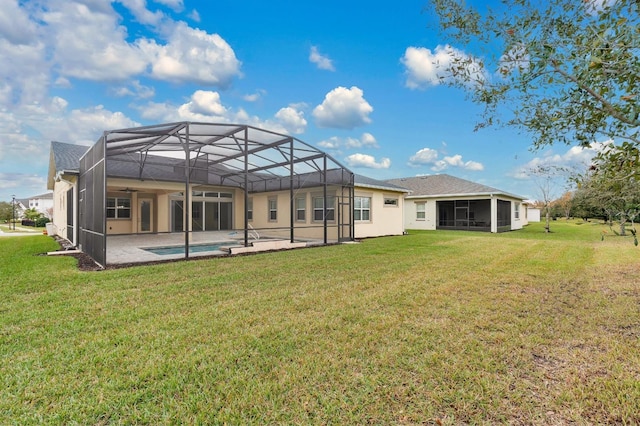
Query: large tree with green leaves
[566,70]
[613,183]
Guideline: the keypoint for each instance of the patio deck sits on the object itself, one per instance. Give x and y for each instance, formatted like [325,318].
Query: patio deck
[123,249]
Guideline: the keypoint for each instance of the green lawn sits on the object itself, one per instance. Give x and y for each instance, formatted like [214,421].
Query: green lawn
[428,328]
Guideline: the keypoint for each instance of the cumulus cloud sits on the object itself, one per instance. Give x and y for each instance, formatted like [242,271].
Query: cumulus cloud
[89,43]
[367,140]
[343,108]
[192,55]
[367,161]
[429,157]
[292,119]
[424,68]
[322,61]
[253,97]
[575,158]
[135,89]
[456,161]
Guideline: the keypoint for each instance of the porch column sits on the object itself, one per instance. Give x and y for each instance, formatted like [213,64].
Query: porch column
[494,214]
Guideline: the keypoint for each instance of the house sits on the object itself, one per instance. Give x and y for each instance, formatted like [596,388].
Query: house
[447,202]
[192,184]
[197,179]
[42,203]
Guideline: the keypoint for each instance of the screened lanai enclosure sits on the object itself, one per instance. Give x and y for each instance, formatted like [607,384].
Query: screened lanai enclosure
[188,178]
[472,215]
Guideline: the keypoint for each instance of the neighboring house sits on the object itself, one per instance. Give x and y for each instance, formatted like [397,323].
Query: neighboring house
[42,203]
[533,214]
[447,202]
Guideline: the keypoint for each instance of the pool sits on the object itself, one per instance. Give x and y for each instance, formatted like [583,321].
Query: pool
[193,248]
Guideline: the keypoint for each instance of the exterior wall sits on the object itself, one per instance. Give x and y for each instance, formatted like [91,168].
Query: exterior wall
[533,214]
[431,216]
[42,205]
[60,189]
[303,229]
[384,219]
[411,221]
[520,221]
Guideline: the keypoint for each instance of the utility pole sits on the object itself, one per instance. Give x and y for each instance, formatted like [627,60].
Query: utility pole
[13,211]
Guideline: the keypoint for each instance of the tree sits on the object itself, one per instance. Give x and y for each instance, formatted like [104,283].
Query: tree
[548,179]
[564,204]
[6,211]
[568,70]
[613,183]
[32,214]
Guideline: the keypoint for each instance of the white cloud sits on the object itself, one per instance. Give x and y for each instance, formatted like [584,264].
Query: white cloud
[367,161]
[192,55]
[15,25]
[89,43]
[292,119]
[425,68]
[456,161]
[322,61]
[175,5]
[367,140]
[424,156]
[253,97]
[575,158]
[136,90]
[343,108]
[429,157]
[194,15]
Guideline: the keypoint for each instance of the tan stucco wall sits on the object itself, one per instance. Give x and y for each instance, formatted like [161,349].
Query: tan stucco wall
[60,189]
[384,220]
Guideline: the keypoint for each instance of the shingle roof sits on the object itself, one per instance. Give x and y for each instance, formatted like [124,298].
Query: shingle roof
[445,185]
[367,182]
[66,156]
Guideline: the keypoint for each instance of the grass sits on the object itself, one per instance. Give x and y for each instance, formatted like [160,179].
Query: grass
[428,328]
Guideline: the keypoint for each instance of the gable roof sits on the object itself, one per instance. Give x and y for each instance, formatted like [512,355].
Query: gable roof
[446,185]
[64,157]
[367,182]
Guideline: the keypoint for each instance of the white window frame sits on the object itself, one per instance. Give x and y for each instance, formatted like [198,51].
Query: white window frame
[358,207]
[119,208]
[391,202]
[421,211]
[250,209]
[272,204]
[319,211]
[301,209]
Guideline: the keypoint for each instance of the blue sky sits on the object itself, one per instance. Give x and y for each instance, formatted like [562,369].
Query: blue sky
[353,78]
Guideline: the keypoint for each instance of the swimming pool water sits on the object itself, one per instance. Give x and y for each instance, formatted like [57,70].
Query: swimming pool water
[193,248]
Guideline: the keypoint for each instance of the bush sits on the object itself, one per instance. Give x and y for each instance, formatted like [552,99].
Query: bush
[41,221]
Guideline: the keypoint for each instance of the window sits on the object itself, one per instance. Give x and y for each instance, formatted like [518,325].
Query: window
[273,209]
[319,211]
[301,209]
[516,213]
[390,202]
[420,211]
[250,209]
[362,208]
[118,208]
